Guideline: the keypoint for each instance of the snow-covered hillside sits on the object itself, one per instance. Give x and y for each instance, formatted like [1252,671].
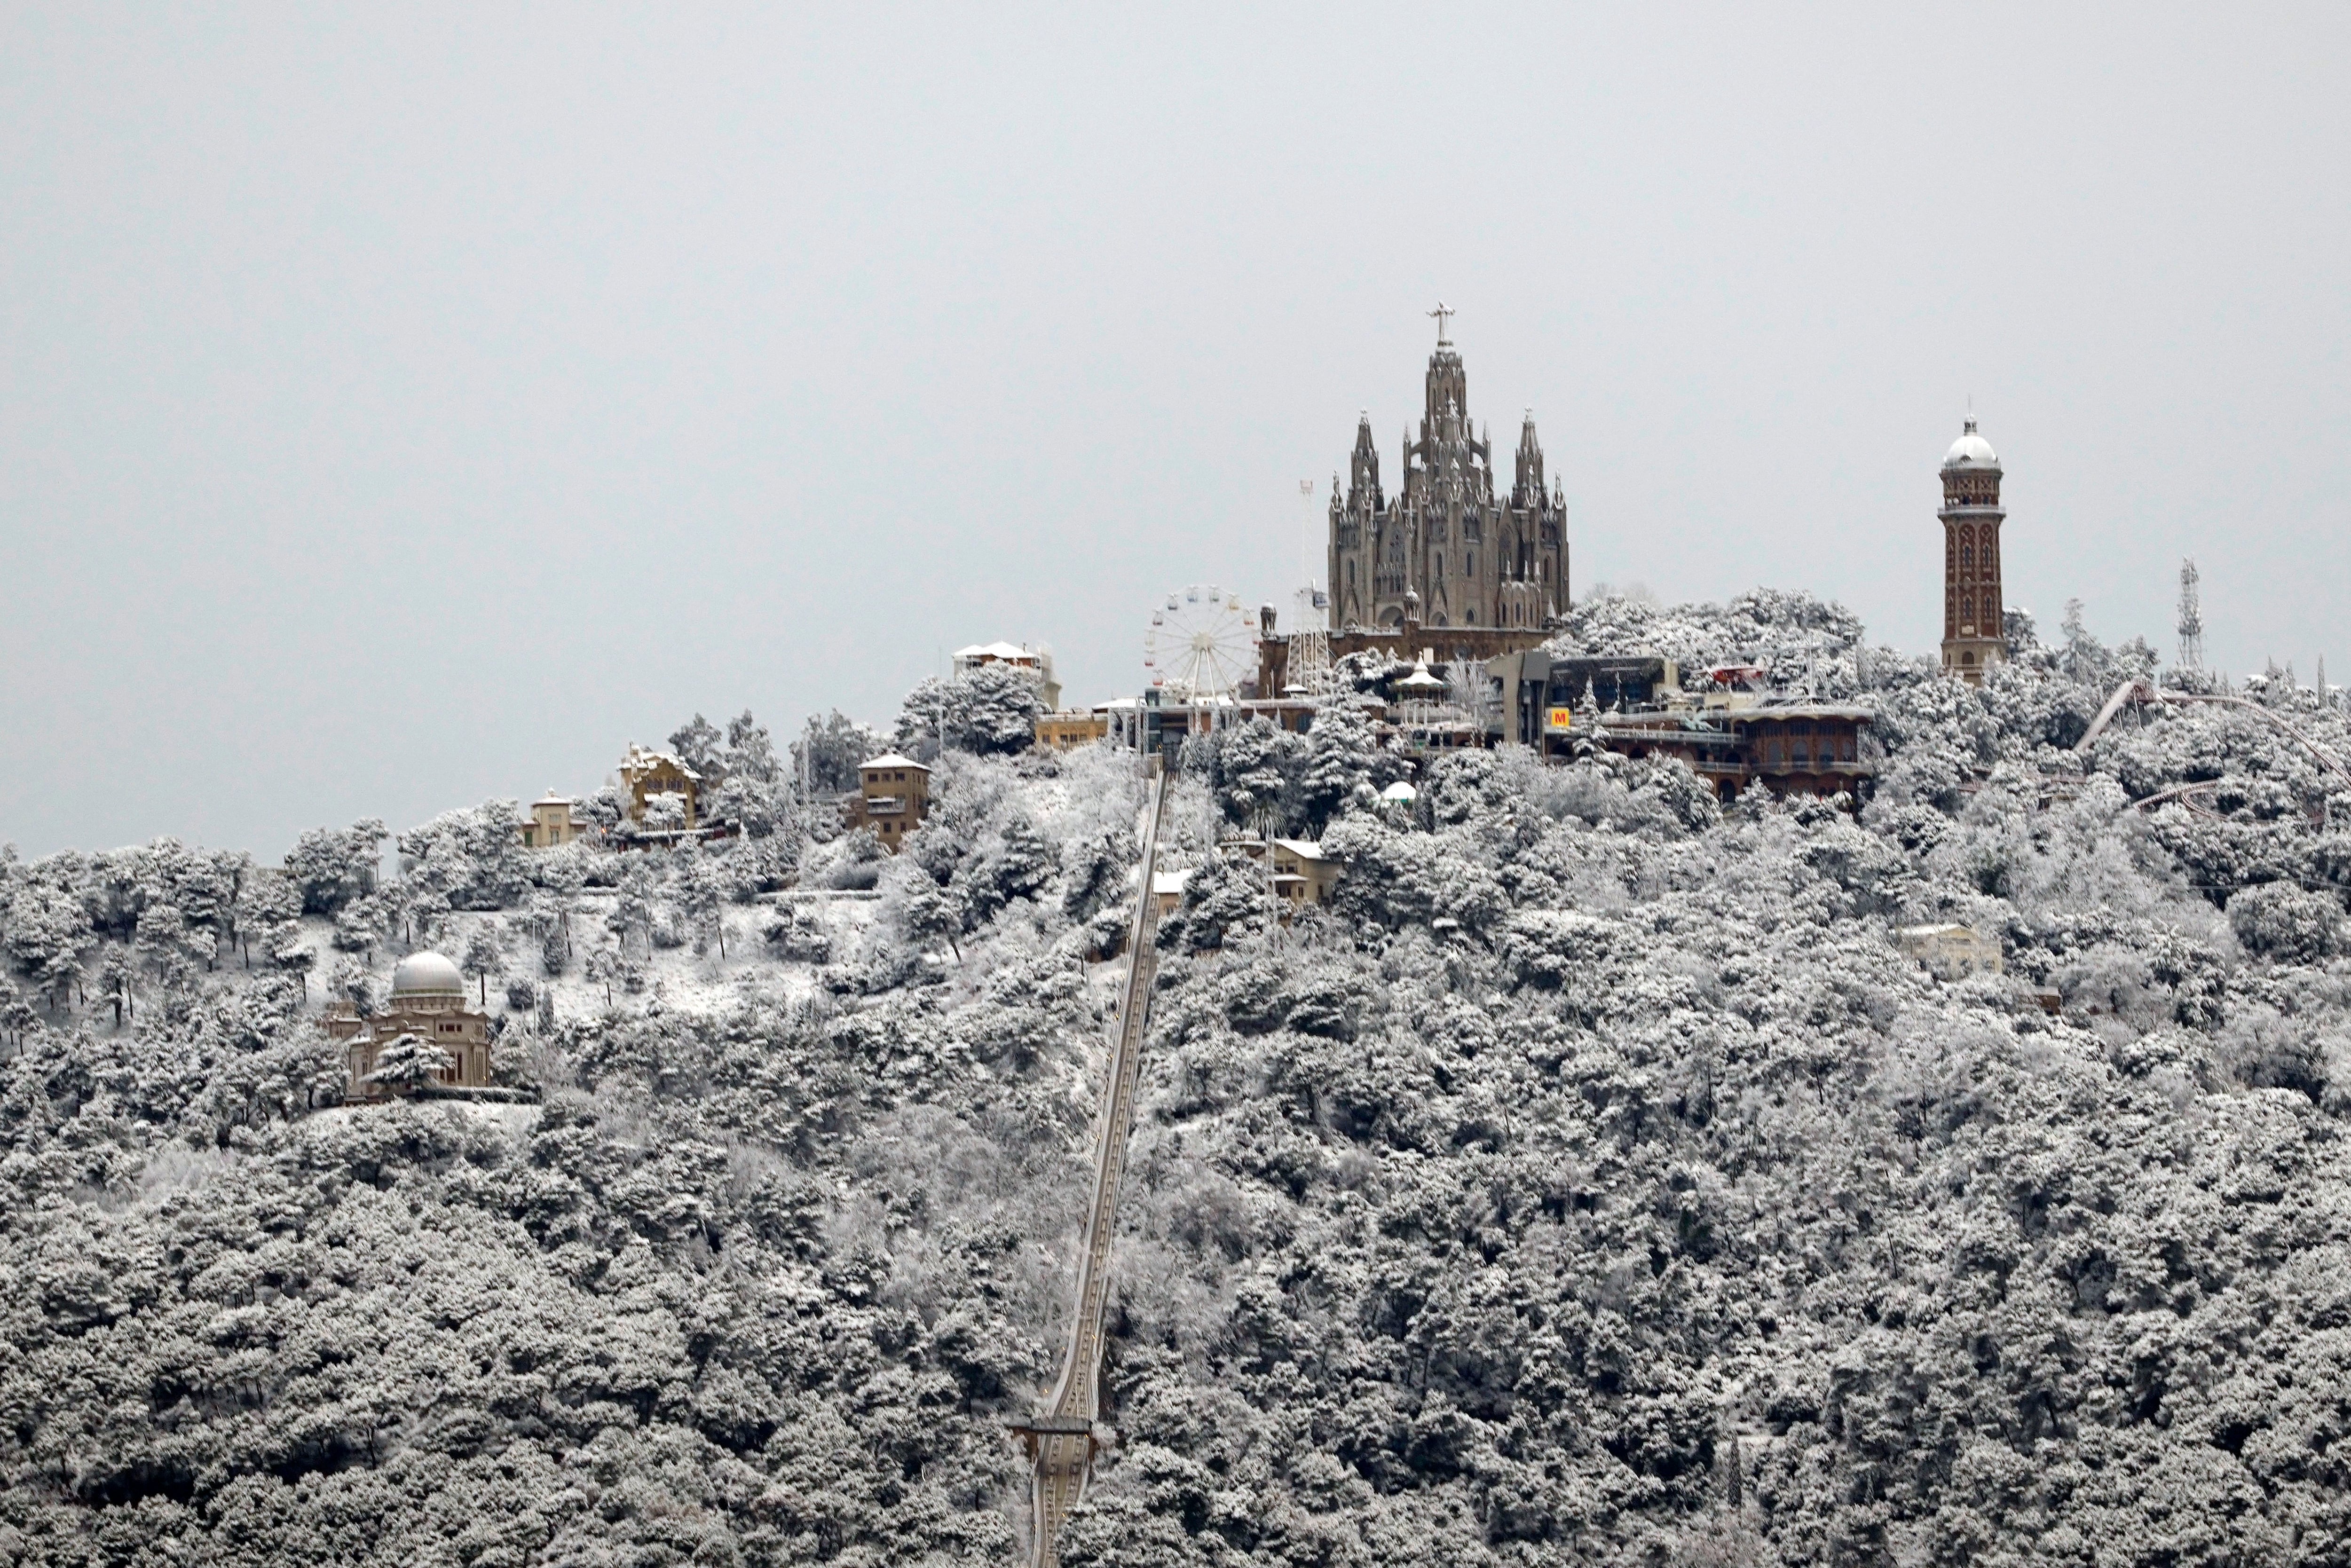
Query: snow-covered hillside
[1593,1180]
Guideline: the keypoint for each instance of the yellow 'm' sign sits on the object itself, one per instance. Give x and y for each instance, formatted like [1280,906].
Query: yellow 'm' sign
[1563,718]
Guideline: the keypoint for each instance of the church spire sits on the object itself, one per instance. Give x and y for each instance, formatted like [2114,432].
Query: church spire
[1448,388]
[1364,464]
[1527,486]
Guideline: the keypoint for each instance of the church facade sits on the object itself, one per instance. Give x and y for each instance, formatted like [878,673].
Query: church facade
[1448,550]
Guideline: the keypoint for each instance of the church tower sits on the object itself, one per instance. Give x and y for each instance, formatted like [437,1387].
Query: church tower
[1446,551]
[1972,606]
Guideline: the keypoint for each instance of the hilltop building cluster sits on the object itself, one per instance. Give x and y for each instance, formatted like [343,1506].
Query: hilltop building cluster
[1443,612]
[1460,589]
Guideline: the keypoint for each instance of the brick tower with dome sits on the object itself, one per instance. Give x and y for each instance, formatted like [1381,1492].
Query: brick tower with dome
[1973,634]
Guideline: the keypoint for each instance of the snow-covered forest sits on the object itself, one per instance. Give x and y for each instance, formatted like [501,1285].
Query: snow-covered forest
[1592,1181]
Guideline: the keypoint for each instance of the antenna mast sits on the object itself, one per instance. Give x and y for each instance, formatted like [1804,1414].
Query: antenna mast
[2191,618]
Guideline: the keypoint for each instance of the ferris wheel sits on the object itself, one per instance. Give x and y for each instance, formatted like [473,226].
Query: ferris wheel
[1200,645]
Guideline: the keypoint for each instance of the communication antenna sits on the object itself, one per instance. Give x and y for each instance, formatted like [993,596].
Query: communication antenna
[1306,532]
[2191,618]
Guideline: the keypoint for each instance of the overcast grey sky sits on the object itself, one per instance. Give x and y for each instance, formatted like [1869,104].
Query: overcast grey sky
[400,407]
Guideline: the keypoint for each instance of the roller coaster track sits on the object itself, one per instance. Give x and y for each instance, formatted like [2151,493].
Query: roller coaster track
[2144,692]
[1060,1436]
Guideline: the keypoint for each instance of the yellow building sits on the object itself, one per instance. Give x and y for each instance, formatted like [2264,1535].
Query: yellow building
[428,1000]
[645,774]
[893,796]
[552,823]
[1302,874]
[1069,729]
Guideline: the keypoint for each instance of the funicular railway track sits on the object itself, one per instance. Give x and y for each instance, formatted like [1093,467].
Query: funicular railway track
[1060,1436]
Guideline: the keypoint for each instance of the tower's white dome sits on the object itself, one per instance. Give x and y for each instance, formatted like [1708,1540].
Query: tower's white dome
[427,975]
[1970,451]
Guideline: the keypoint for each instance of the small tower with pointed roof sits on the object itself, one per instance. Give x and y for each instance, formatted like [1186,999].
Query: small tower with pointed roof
[1973,639]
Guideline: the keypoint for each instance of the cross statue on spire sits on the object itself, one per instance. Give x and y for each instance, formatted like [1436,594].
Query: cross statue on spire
[1443,312]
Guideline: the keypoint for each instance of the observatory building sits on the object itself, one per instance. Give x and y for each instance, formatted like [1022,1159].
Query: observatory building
[1445,552]
[428,1000]
[1973,630]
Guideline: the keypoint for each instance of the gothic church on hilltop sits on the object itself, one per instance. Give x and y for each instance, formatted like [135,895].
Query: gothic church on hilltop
[1444,552]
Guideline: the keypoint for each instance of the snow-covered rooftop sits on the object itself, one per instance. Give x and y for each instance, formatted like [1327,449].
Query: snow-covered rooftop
[427,975]
[1970,451]
[994,651]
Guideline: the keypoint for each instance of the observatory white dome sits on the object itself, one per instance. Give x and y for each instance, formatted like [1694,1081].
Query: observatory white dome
[427,975]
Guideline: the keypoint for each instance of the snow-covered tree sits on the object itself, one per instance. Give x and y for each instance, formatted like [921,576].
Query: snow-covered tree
[830,749]
[409,1062]
[469,859]
[2280,920]
[990,710]
[330,866]
[483,957]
